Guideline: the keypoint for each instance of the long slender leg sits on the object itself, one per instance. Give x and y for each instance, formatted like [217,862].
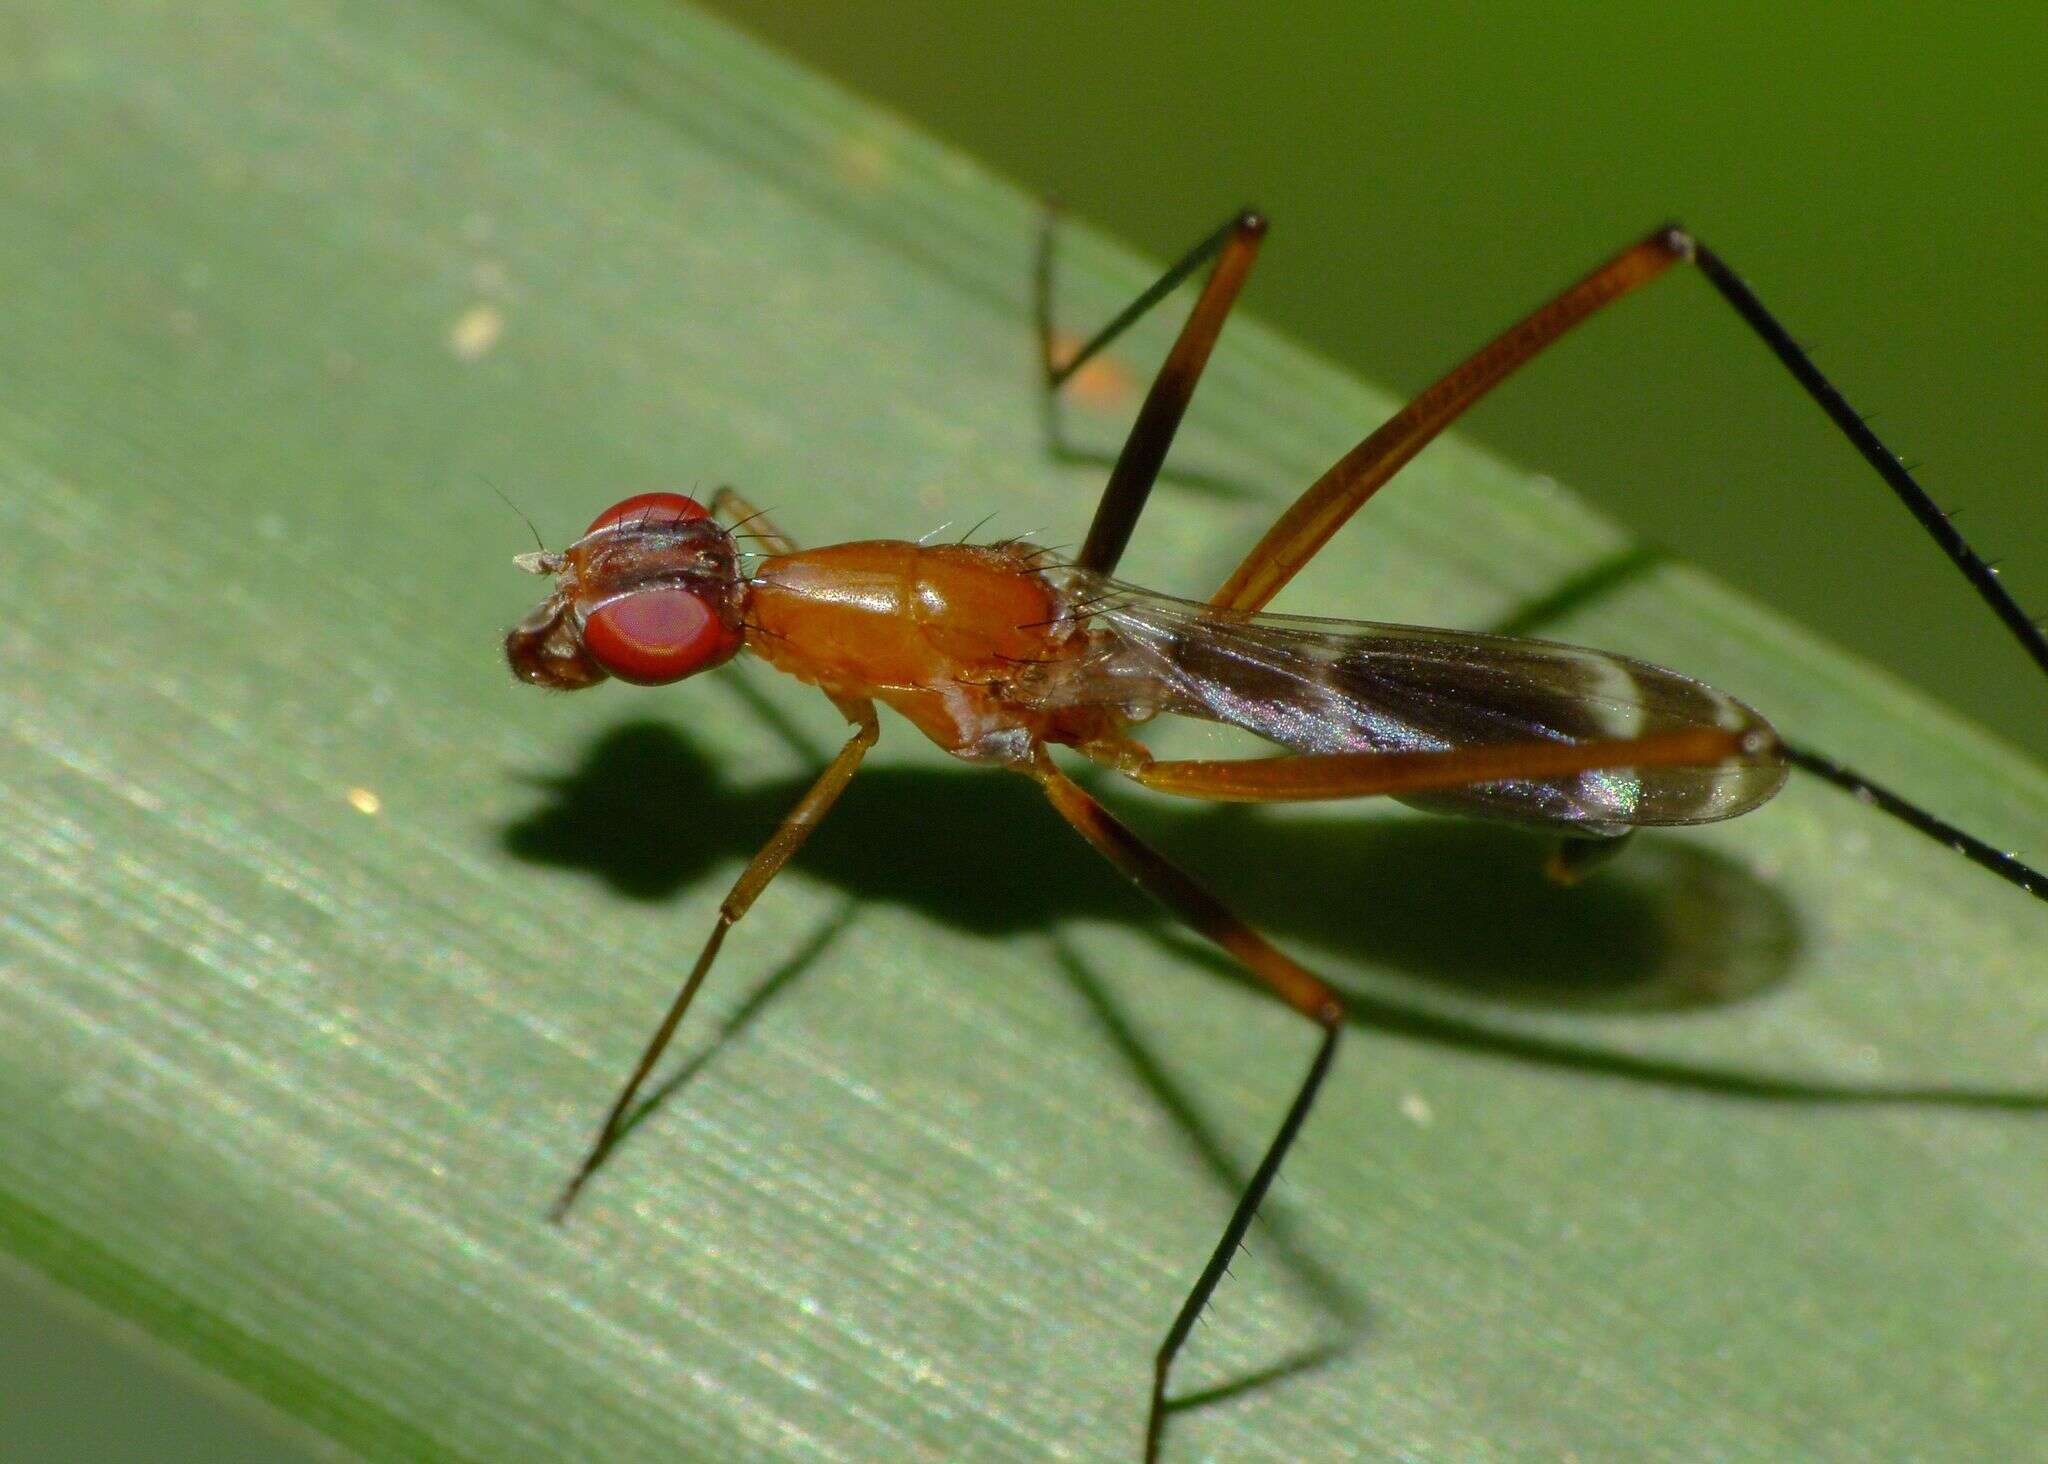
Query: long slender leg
[789,836]
[1308,524]
[1316,776]
[1234,247]
[1297,987]
[1981,575]
[2001,863]
[1340,492]
[1307,777]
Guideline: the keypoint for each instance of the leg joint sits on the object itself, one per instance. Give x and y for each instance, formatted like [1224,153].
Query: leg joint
[1677,241]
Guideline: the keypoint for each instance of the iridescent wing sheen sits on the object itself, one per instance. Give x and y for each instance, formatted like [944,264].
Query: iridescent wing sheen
[1316,685]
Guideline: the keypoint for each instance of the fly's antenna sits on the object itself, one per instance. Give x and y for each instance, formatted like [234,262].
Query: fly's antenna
[538,542]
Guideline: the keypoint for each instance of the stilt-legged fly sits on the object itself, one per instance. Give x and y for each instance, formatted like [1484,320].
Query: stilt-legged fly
[1001,652]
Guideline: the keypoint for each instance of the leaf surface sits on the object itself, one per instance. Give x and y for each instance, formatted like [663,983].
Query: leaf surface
[326,943]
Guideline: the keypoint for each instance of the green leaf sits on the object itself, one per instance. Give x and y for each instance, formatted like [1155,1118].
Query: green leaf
[326,943]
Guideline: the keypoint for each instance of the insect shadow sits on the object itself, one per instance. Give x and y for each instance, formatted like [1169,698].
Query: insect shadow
[1477,932]
[1459,909]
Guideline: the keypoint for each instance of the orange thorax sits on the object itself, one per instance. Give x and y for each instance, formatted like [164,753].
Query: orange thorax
[938,633]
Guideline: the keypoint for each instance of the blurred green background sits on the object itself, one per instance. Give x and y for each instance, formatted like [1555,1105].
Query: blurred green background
[1435,170]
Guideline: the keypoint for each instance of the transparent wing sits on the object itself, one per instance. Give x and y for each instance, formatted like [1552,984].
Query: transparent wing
[1317,685]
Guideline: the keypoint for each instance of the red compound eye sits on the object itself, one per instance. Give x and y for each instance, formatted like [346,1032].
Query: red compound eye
[655,508]
[658,636]
[664,632]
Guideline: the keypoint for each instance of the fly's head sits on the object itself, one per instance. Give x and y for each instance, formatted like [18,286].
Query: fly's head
[649,594]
